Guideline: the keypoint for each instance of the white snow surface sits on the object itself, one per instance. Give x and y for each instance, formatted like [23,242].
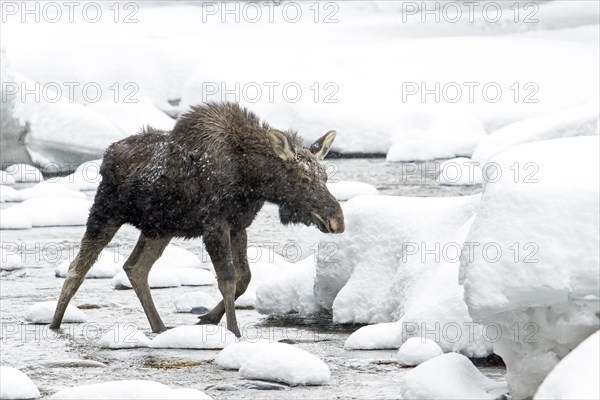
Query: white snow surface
[16,385]
[129,389]
[385,335]
[186,302]
[6,179]
[86,177]
[449,376]
[177,257]
[125,336]
[46,211]
[194,337]
[460,171]
[549,288]
[130,118]
[41,189]
[577,376]
[345,190]
[157,279]
[417,350]
[24,173]
[285,363]
[107,265]
[42,313]
[236,354]
[9,261]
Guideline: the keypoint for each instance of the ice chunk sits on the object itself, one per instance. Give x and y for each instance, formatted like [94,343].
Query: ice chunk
[24,173]
[188,301]
[41,189]
[9,261]
[42,313]
[544,227]
[194,337]
[345,190]
[6,179]
[157,279]
[107,266]
[236,354]
[124,337]
[577,375]
[16,385]
[128,389]
[449,376]
[417,350]
[46,211]
[460,171]
[286,363]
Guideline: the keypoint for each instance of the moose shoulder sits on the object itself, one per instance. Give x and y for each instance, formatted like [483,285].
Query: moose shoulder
[209,177]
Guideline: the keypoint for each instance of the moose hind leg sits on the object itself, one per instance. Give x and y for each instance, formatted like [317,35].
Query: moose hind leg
[91,246]
[137,267]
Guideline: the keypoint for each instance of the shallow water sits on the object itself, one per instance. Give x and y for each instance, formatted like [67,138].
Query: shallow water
[355,374]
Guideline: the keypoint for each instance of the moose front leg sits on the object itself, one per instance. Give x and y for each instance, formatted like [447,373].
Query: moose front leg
[218,245]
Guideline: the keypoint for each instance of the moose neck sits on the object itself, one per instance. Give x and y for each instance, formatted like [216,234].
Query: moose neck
[269,180]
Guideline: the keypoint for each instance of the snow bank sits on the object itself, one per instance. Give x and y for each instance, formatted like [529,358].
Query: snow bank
[345,190]
[123,337]
[9,261]
[578,121]
[16,385]
[41,189]
[285,363]
[42,313]
[292,290]
[107,266]
[236,354]
[538,287]
[194,337]
[188,301]
[460,171]
[455,377]
[46,211]
[157,279]
[86,177]
[128,389]
[24,173]
[416,351]
[130,118]
[577,375]
[6,179]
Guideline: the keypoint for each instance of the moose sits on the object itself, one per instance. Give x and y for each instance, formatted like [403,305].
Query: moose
[208,177]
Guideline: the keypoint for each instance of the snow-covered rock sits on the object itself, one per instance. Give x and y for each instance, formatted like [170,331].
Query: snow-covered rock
[578,121]
[449,376]
[86,177]
[345,190]
[178,257]
[16,385]
[236,354]
[130,118]
[9,261]
[42,313]
[129,389]
[291,290]
[385,335]
[124,337]
[6,179]
[417,350]
[538,284]
[577,376]
[157,279]
[194,337]
[107,265]
[46,211]
[24,173]
[460,171]
[286,363]
[192,276]
[188,301]
[41,189]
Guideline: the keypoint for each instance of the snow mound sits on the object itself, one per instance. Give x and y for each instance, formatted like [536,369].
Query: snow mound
[194,337]
[86,177]
[578,121]
[236,354]
[128,389]
[9,261]
[577,375]
[6,179]
[455,377]
[345,190]
[130,118]
[41,189]
[107,266]
[286,363]
[188,301]
[157,279]
[42,313]
[416,351]
[460,171]
[16,385]
[124,337]
[289,291]
[46,211]
[542,276]
[178,257]
[24,173]
[386,335]
[193,276]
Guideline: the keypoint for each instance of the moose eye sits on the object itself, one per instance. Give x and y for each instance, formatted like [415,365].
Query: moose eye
[305,180]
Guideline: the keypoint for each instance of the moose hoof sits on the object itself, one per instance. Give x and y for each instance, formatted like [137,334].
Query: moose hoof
[207,320]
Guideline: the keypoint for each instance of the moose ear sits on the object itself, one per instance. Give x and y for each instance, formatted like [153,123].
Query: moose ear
[321,147]
[281,145]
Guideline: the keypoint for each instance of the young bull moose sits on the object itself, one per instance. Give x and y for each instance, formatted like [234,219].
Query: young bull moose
[209,177]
